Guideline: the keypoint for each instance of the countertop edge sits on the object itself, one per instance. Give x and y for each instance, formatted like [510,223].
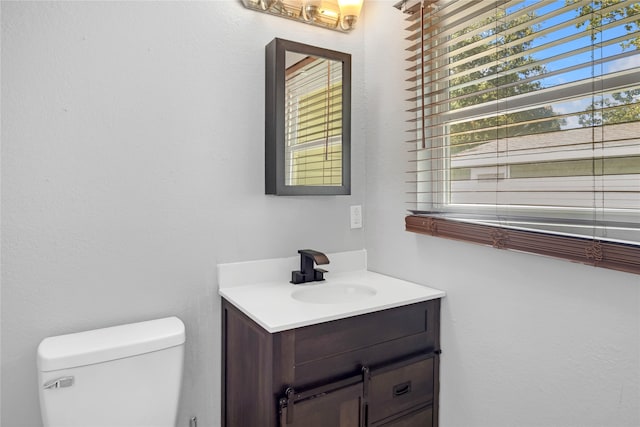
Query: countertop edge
[429,294]
[301,324]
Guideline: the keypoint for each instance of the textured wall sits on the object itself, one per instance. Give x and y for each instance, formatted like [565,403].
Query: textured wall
[527,341]
[132,163]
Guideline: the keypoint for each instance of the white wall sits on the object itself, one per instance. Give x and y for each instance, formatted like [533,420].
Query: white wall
[527,341]
[132,163]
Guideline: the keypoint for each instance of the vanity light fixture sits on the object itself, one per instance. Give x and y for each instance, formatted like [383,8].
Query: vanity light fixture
[339,15]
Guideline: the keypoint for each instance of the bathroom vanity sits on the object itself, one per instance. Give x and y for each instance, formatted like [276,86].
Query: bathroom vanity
[363,350]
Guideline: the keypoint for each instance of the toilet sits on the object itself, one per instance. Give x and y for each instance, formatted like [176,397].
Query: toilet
[122,376]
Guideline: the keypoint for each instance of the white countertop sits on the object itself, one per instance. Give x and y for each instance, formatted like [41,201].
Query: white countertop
[270,304]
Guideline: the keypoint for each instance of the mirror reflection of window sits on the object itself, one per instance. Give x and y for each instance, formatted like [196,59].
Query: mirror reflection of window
[313,121]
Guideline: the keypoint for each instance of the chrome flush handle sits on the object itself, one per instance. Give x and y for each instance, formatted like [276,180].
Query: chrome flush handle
[59,383]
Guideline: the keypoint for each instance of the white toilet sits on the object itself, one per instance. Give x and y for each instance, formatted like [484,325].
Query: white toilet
[123,376]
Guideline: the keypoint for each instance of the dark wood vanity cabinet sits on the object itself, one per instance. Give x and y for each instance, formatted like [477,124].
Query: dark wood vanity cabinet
[377,369]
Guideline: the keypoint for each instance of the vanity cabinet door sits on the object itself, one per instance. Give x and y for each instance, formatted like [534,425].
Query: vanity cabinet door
[341,407]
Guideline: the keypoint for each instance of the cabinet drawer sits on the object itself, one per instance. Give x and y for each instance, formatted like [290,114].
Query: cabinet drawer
[422,417]
[332,338]
[399,388]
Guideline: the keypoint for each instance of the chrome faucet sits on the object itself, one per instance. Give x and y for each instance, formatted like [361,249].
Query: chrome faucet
[307,273]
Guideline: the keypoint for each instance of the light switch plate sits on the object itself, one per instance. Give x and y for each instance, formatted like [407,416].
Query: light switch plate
[356,216]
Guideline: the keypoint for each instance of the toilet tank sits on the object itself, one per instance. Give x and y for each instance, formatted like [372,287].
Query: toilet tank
[122,376]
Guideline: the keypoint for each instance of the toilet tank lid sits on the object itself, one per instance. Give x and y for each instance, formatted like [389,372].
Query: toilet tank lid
[102,345]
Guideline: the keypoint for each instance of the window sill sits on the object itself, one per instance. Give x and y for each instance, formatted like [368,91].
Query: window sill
[615,256]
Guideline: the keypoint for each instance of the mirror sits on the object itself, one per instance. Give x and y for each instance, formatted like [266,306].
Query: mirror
[307,120]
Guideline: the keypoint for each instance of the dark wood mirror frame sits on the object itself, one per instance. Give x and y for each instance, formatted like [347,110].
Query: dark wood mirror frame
[275,143]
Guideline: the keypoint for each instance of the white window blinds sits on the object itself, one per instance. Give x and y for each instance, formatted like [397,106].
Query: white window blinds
[526,114]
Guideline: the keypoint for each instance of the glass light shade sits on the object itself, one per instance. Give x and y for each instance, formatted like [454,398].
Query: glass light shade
[350,7]
[314,3]
[329,8]
[290,8]
[310,9]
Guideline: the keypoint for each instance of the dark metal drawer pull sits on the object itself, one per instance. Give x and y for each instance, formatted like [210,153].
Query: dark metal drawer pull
[401,389]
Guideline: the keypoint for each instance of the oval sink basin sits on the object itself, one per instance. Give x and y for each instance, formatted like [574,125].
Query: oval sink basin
[335,293]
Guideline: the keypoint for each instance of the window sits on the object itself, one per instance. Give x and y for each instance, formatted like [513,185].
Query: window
[527,124]
[313,121]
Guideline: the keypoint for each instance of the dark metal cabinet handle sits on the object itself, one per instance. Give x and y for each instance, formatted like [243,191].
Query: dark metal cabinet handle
[290,393]
[401,389]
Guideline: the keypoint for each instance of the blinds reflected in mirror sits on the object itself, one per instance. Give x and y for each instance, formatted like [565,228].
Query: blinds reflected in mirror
[527,109]
[313,121]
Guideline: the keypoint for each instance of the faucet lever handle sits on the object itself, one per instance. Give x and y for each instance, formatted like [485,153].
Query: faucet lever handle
[318,274]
